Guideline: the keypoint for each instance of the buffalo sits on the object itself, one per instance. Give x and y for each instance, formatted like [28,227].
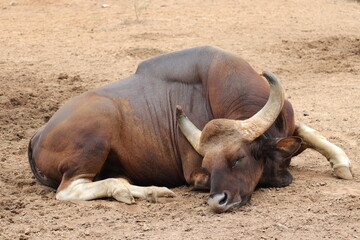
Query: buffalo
[140,136]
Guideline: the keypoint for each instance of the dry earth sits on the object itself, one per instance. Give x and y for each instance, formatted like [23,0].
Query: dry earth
[53,50]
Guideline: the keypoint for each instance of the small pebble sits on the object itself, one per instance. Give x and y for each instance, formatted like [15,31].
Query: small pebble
[63,76]
[282,227]
[105,5]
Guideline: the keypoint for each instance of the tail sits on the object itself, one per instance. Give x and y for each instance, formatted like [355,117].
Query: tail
[36,172]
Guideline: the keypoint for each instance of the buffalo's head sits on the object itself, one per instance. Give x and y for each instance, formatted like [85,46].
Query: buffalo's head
[234,154]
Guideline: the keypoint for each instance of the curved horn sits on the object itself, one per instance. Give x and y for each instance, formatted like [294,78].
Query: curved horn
[262,120]
[190,131]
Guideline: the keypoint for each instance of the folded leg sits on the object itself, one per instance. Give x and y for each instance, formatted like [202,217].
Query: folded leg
[151,193]
[338,159]
[118,188]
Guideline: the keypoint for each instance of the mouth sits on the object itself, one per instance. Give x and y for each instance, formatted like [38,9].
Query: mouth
[239,204]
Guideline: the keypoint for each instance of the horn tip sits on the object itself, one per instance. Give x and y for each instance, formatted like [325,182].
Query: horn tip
[179,111]
[272,79]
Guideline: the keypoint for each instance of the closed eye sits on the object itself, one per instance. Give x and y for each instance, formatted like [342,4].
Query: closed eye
[238,161]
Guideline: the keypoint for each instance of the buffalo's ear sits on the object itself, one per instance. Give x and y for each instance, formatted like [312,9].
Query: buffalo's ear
[200,179]
[288,146]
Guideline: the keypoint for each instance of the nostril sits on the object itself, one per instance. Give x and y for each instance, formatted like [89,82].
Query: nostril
[224,199]
[219,202]
[219,199]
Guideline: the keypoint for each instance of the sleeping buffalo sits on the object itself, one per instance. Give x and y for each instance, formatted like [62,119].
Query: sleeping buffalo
[136,131]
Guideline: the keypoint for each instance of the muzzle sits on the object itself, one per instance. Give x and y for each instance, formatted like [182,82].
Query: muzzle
[221,202]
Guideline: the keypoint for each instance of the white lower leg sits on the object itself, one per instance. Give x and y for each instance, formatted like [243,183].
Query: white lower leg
[335,155]
[84,189]
[152,194]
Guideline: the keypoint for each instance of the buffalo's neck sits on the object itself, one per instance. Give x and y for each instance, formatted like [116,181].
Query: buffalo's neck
[234,89]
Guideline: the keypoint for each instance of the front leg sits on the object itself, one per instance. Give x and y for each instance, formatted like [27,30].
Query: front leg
[118,188]
[152,193]
[338,159]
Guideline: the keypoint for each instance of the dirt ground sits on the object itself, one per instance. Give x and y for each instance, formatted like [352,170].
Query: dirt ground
[53,50]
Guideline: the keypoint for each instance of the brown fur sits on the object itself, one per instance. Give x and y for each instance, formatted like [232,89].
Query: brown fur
[129,128]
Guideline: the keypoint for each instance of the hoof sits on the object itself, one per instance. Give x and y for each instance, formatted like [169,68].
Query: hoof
[343,172]
[159,194]
[124,196]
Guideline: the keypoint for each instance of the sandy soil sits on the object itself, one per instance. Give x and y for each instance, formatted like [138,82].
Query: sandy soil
[53,50]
